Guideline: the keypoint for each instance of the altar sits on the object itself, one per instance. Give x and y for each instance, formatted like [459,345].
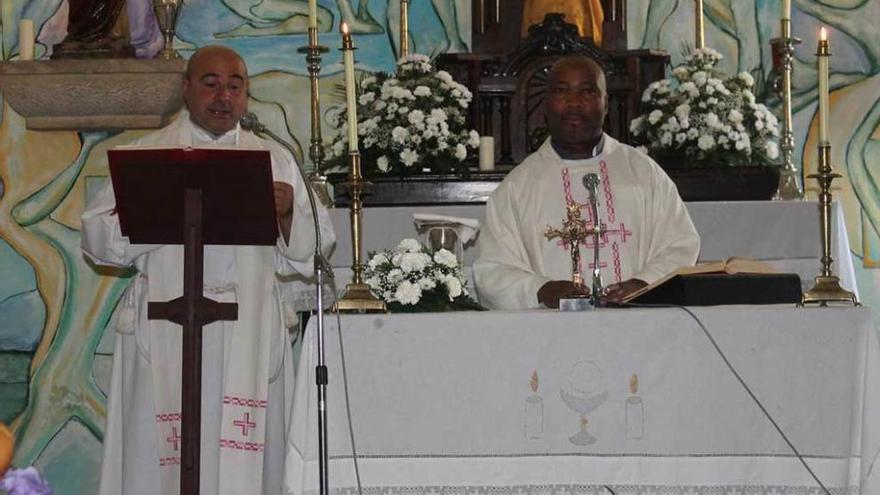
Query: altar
[783,233]
[619,401]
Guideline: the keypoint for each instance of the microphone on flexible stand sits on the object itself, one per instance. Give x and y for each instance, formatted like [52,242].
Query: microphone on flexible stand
[591,182]
[250,122]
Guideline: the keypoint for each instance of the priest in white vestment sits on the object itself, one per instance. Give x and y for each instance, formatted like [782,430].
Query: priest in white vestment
[247,374]
[649,232]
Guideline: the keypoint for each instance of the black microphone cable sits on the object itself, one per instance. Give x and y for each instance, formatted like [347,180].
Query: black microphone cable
[741,381]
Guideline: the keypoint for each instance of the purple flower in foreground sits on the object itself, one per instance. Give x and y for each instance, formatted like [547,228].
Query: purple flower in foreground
[25,481]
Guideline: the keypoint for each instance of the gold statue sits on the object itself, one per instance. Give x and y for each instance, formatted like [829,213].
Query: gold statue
[586,14]
[574,231]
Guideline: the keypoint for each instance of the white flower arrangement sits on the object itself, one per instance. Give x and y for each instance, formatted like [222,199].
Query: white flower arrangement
[411,278]
[409,122]
[706,117]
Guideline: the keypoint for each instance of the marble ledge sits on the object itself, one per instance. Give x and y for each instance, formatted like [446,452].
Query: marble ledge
[99,94]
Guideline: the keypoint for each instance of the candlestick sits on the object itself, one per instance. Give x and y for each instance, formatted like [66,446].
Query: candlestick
[786,9]
[25,39]
[316,178]
[789,188]
[700,40]
[823,54]
[827,287]
[313,14]
[350,101]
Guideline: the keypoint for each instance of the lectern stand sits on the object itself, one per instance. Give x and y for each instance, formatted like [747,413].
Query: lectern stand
[193,197]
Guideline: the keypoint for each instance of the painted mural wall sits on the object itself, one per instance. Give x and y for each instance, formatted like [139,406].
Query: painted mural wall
[54,356]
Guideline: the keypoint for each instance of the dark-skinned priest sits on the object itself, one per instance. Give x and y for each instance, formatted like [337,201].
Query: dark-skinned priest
[649,232]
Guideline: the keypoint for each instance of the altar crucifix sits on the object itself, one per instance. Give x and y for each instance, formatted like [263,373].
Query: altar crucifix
[573,232]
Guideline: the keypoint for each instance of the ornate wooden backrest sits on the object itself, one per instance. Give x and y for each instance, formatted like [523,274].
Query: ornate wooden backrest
[510,89]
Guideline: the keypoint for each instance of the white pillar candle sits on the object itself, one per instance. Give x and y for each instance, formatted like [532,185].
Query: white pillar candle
[25,39]
[350,101]
[313,13]
[487,153]
[823,56]
[699,37]
[786,9]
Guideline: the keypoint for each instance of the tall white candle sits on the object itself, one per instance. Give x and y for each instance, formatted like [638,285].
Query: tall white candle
[786,9]
[699,37]
[823,55]
[350,101]
[25,39]
[313,13]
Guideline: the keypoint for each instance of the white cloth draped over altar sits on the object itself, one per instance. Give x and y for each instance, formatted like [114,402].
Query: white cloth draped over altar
[636,400]
[783,233]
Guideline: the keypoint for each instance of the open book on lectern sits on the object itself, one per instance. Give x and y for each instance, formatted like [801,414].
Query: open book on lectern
[238,205]
[732,281]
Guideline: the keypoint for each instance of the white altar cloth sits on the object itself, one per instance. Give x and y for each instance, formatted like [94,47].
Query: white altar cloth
[543,402]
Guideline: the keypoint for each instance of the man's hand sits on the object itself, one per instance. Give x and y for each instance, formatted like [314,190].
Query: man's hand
[284,207]
[550,293]
[615,293]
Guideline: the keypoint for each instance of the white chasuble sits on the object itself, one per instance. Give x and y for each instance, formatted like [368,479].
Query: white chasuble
[648,230]
[247,375]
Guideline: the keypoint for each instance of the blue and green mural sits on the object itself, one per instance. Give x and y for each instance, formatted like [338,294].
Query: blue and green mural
[54,355]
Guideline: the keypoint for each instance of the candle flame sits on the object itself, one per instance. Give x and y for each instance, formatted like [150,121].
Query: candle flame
[823,34]
[343,28]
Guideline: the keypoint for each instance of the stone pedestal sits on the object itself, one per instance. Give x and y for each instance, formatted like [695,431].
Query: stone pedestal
[108,94]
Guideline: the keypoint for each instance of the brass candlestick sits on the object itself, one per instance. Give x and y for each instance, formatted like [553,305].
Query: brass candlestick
[404,28]
[358,297]
[789,188]
[827,286]
[316,145]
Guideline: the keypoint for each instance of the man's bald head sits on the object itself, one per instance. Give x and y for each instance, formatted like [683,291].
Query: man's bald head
[215,88]
[575,105]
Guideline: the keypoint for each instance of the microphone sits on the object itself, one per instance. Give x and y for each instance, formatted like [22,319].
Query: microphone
[250,122]
[591,182]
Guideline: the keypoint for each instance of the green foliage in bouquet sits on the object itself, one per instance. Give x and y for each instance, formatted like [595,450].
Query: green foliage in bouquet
[411,278]
[705,118]
[409,122]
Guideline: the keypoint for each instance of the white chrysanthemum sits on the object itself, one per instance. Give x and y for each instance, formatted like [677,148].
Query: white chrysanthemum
[712,120]
[700,78]
[422,90]
[635,126]
[680,137]
[706,142]
[376,260]
[395,275]
[473,139]
[735,116]
[416,117]
[460,152]
[409,157]
[408,293]
[453,287]
[382,163]
[771,149]
[414,262]
[655,116]
[446,258]
[680,73]
[367,98]
[399,135]
[409,245]
[427,283]
[444,77]
[666,138]
[746,78]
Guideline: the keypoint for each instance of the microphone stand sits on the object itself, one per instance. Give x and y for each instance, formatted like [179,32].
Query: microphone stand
[591,181]
[250,122]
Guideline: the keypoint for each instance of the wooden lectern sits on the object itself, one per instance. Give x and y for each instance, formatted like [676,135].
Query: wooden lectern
[193,197]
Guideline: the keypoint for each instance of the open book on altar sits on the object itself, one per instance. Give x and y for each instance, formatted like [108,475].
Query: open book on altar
[732,281]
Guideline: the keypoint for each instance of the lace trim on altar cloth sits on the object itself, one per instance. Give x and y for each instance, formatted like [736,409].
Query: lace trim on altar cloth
[593,489]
